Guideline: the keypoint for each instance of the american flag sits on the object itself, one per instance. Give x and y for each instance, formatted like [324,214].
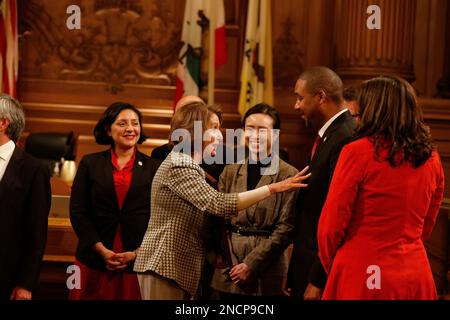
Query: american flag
[9,51]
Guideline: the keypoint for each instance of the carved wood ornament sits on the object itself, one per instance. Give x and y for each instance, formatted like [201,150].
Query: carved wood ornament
[119,42]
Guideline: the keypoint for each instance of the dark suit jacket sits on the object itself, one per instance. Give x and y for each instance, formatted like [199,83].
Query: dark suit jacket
[25,198]
[305,266]
[161,152]
[94,209]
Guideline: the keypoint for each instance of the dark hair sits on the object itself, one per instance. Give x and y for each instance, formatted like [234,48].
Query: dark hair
[350,93]
[322,78]
[217,111]
[108,118]
[185,117]
[264,108]
[392,119]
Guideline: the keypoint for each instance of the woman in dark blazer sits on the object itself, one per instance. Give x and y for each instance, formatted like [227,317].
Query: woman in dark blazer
[110,206]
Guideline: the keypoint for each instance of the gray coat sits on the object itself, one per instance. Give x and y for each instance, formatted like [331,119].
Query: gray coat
[265,256]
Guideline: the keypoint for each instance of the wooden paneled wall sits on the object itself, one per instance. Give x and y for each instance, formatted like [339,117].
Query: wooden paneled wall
[127,51]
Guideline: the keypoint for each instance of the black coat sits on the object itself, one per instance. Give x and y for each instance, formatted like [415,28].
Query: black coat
[305,266]
[25,198]
[94,209]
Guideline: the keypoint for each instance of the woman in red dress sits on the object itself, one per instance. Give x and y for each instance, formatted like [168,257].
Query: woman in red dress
[383,201]
[110,207]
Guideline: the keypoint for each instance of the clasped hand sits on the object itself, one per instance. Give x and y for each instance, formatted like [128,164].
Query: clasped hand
[118,261]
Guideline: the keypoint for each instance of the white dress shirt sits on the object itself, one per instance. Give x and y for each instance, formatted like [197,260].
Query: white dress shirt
[329,122]
[6,152]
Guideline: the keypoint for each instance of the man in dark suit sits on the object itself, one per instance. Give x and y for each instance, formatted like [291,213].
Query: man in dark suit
[319,101]
[25,197]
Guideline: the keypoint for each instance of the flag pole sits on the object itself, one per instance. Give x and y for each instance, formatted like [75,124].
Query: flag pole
[262,30]
[212,52]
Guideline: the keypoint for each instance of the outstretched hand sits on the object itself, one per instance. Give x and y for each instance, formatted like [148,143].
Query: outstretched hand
[290,183]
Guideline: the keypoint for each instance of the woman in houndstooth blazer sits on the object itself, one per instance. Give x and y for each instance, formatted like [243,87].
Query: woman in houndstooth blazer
[171,256]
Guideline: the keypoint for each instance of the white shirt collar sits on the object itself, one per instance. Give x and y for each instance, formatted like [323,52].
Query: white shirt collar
[329,122]
[7,150]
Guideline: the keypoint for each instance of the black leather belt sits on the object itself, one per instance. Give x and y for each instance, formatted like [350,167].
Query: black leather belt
[249,231]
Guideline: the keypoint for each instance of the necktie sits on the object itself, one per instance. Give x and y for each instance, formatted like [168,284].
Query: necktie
[316,144]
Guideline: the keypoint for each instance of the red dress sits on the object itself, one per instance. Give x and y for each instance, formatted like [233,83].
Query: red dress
[110,285]
[373,225]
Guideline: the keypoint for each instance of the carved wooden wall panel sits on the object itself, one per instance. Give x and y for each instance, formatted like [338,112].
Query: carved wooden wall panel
[430,38]
[289,40]
[443,86]
[119,42]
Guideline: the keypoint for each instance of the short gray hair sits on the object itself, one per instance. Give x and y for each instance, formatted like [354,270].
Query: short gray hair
[11,109]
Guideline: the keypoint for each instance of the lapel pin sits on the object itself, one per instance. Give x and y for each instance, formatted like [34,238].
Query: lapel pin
[140,163]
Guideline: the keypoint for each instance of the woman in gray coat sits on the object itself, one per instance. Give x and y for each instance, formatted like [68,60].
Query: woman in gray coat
[260,234]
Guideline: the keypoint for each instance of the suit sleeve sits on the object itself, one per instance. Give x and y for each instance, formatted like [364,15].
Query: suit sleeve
[436,199]
[335,157]
[160,153]
[188,183]
[317,275]
[80,208]
[38,208]
[338,208]
[270,249]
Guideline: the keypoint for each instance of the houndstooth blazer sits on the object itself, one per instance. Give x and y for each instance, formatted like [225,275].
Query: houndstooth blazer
[173,244]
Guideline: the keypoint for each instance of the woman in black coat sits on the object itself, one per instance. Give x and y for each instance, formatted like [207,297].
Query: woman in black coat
[110,206]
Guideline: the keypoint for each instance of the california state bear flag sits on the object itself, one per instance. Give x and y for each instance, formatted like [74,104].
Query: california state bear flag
[188,70]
